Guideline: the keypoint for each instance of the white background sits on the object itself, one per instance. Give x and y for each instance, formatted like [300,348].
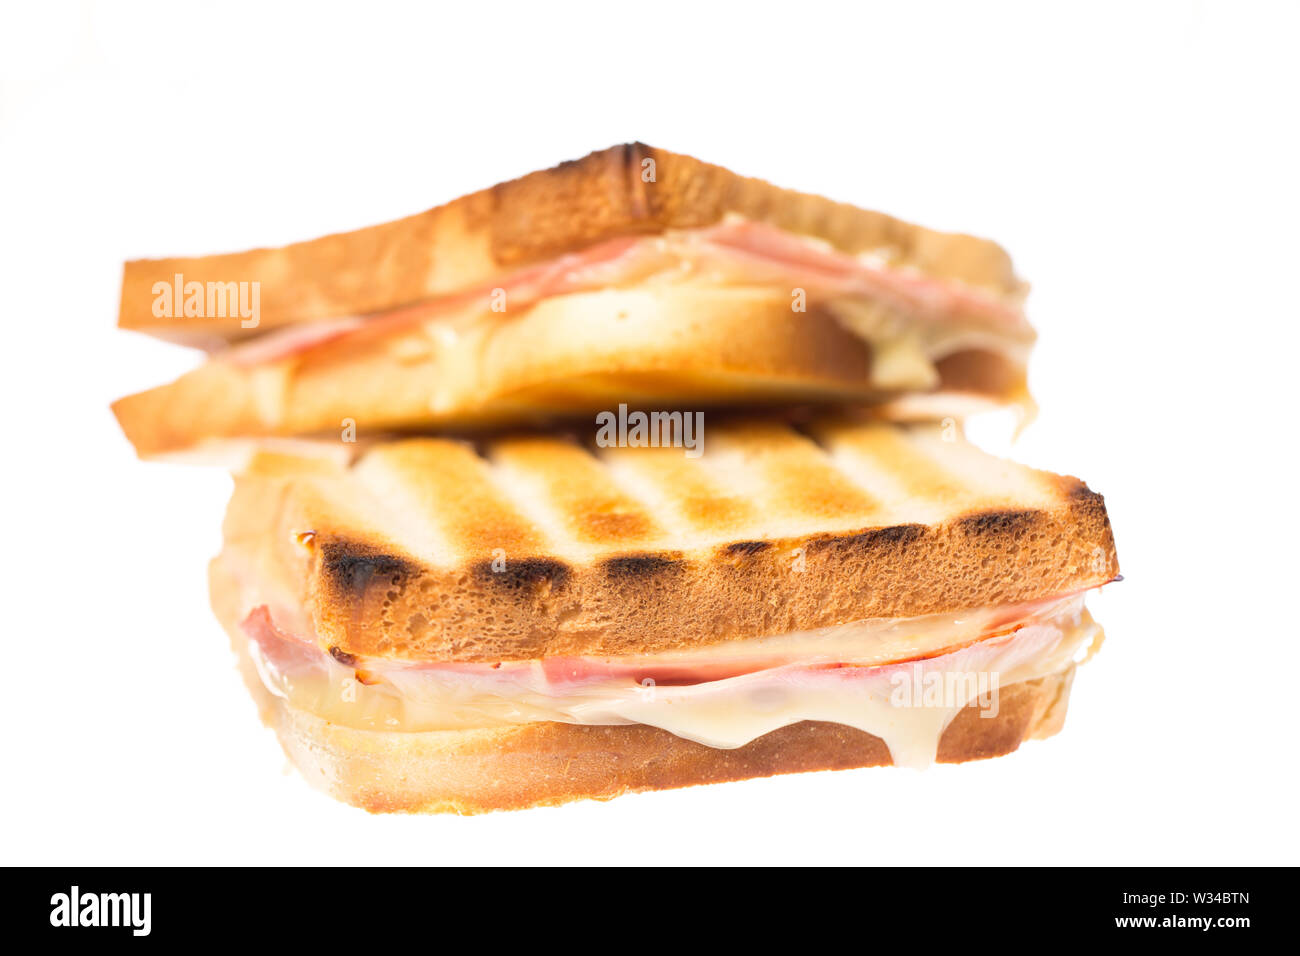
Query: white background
[1139,160]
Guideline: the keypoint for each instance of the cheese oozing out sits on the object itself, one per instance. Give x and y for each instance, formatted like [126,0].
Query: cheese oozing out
[902,680]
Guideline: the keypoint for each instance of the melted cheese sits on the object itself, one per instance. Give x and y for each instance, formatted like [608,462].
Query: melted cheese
[835,677]
[910,320]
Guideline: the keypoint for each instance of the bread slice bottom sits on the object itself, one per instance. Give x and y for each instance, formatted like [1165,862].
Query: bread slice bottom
[542,764]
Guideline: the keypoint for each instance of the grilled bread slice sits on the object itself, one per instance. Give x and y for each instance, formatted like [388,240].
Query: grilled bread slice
[535,546]
[625,190]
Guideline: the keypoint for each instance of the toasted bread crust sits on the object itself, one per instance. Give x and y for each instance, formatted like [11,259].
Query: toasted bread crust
[514,224]
[542,551]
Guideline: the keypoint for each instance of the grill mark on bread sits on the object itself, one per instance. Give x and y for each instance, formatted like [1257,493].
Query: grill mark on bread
[772,567]
[790,475]
[348,569]
[1008,521]
[636,567]
[452,483]
[868,541]
[747,547]
[616,524]
[578,491]
[683,494]
[921,476]
[524,573]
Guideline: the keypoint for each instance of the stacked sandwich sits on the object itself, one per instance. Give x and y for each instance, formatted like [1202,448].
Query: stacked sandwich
[454,583]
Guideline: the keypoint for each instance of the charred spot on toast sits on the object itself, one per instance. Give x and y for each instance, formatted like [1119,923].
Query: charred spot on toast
[631,568]
[523,574]
[348,567]
[867,541]
[746,548]
[1087,504]
[1006,521]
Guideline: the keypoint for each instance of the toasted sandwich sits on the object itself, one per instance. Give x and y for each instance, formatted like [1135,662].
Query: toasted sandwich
[634,275]
[440,625]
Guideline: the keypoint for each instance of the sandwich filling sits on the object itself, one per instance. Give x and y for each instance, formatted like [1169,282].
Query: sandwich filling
[911,320]
[902,680]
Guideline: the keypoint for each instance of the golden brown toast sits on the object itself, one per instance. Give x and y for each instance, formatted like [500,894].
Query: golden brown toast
[568,357]
[515,224]
[533,546]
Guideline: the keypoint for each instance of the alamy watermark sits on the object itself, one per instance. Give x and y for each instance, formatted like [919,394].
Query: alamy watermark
[208,300]
[914,686]
[76,908]
[638,429]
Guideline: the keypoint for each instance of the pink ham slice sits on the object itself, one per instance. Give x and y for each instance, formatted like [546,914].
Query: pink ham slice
[289,654]
[837,273]
[286,653]
[760,253]
[293,340]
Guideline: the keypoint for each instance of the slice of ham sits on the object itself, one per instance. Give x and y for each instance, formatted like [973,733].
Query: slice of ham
[833,272]
[573,272]
[291,340]
[283,651]
[750,252]
[295,654]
